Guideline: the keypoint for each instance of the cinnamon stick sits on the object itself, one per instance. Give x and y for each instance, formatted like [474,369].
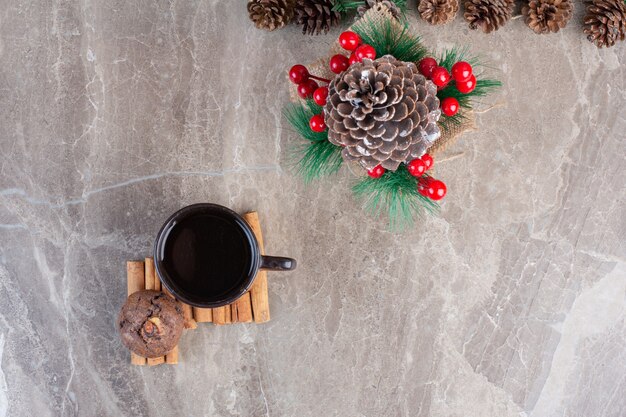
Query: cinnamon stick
[156,361]
[202,315]
[219,315]
[190,323]
[258,291]
[241,309]
[150,274]
[172,357]
[228,317]
[135,282]
[135,276]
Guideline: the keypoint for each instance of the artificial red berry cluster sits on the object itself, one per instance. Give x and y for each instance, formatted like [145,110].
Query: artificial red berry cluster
[351,41]
[308,87]
[428,186]
[464,80]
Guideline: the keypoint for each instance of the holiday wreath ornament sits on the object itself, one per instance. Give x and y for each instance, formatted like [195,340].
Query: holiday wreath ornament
[383,105]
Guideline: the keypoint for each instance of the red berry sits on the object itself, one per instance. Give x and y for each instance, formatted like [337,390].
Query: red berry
[440,76]
[352,59]
[320,95]
[449,106]
[365,51]
[461,71]
[416,167]
[339,63]
[317,123]
[349,40]
[376,172]
[426,66]
[467,86]
[422,186]
[298,74]
[306,88]
[436,190]
[428,161]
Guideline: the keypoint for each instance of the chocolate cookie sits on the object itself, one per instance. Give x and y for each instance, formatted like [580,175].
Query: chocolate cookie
[151,323]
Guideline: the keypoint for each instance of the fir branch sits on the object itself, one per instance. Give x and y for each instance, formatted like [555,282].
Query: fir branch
[387,40]
[396,194]
[344,6]
[299,114]
[318,159]
[483,87]
[454,55]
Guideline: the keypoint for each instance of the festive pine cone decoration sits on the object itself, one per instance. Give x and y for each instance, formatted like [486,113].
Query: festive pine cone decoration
[316,16]
[488,15]
[605,22]
[382,112]
[438,12]
[392,7]
[270,14]
[385,108]
[545,16]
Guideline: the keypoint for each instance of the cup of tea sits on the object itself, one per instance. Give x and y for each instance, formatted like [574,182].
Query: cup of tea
[206,255]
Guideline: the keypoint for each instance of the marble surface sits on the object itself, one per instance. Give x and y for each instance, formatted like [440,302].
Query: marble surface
[114,114]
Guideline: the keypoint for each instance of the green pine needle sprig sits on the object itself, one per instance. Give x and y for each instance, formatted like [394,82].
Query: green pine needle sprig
[345,6]
[483,86]
[318,157]
[394,194]
[299,114]
[386,40]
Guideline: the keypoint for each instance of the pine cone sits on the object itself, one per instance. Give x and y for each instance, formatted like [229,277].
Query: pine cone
[368,4]
[438,12]
[382,112]
[488,15]
[316,16]
[270,14]
[545,16]
[605,22]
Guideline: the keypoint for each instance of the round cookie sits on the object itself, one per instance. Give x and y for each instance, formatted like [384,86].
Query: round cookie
[150,323]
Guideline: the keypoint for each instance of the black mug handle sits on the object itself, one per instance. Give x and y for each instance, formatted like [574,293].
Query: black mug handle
[277,263]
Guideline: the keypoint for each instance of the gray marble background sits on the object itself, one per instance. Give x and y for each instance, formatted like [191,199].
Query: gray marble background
[113,114]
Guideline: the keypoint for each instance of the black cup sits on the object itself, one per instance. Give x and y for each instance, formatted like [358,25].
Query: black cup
[206,255]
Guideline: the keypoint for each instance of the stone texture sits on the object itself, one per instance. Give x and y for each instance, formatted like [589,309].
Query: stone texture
[114,114]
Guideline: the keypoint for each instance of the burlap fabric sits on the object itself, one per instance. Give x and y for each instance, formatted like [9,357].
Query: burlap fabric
[377,13]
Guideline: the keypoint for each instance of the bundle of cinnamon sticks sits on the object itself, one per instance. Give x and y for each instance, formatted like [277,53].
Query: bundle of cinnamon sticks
[252,306]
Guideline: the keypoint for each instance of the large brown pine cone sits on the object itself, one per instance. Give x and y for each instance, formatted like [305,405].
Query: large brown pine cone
[545,16]
[605,22]
[316,16]
[270,14]
[438,12]
[488,15]
[368,4]
[382,112]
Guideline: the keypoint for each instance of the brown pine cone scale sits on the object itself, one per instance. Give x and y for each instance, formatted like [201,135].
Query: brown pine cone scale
[316,16]
[438,12]
[488,15]
[368,4]
[605,22]
[546,16]
[383,112]
[270,14]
